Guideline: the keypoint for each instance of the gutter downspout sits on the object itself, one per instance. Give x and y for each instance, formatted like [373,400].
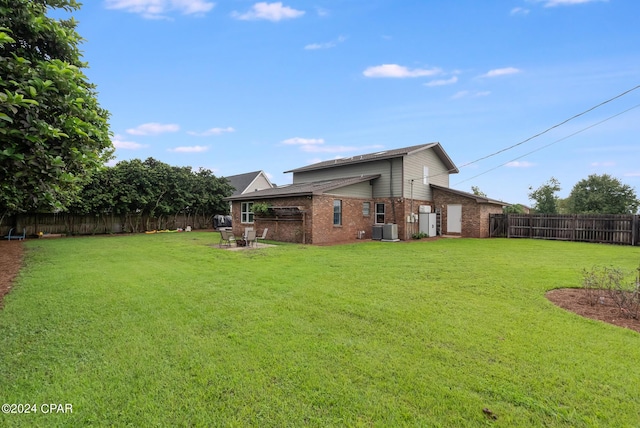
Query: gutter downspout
[393,204]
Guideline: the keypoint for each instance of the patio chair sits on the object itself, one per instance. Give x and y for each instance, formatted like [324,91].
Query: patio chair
[11,235]
[264,235]
[250,236]
[226,238]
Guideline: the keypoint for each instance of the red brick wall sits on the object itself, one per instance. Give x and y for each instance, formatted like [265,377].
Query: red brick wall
[284,229]
[323,229]
[475,216]
[316,225]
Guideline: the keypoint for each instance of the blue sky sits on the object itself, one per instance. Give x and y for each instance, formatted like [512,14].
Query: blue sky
[237,86]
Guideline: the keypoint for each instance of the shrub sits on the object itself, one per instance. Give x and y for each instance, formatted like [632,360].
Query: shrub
[609,282]
[419,235]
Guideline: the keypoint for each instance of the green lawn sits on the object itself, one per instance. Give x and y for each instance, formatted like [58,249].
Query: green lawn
[169,330]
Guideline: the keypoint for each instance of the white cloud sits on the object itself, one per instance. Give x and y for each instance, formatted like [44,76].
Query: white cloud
[190,149]
[399,71]
[501,72]
[212,131]
[153,129]
[519,11]
[327,45]
[322,12]
[120,143]
[443,82]
[470,94]
[632,174]
[554,3]
[603,164]
[303,141]
[157,9]
[269,11]
[518,164]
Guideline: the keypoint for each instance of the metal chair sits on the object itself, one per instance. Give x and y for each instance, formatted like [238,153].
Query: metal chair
[250,236]
[226,238]
[264,235]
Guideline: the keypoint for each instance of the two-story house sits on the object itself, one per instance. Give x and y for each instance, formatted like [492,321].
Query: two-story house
[344,199]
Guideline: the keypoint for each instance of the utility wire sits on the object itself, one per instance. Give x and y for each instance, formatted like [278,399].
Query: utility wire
[539,134]
[553,127]
[550,144]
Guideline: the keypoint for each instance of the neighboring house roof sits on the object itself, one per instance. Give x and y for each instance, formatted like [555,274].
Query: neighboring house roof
[242,182]
[383,154]
[477,198]
[303,189]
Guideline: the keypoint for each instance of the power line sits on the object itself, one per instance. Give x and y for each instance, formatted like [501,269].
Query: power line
[550,144]
[539,134]
[553,127]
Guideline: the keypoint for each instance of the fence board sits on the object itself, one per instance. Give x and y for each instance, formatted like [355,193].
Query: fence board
[604,228]
[69,224]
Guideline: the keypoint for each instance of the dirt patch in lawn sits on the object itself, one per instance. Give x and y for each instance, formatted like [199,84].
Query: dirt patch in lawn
[575,300]
[10,262]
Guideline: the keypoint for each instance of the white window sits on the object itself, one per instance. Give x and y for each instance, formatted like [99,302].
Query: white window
[380,213]
[246,212]
[366,208]
[425,175]
[337,212]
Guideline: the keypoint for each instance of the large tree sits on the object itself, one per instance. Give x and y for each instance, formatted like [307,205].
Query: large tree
[602,194]
[54,133]
[545,198]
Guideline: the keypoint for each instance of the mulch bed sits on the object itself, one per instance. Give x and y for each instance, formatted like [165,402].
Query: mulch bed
[575,300]
[571,299]
[10,262]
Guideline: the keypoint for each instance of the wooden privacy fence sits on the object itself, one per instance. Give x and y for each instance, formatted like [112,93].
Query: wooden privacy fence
[621,229]
[70,224]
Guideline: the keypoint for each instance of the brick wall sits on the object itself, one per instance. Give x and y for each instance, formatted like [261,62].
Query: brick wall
[475,216]
[315,225]
[353,220]
[281,228]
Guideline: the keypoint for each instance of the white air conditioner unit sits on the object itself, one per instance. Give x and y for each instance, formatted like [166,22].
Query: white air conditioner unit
[424,209]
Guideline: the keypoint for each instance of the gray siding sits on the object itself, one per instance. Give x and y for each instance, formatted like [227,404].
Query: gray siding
[414,167]
[359,190]
[381,186]
[396,175]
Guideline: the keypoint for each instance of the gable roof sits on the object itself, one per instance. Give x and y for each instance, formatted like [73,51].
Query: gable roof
[303,189]
[242,181]
[384,154]
[477,198]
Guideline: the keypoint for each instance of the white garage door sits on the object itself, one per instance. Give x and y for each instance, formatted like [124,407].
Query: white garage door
[454,218]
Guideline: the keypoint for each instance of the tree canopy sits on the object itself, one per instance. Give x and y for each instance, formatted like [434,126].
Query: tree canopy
[152,189]
[54,133]
[602,194]
[545,198]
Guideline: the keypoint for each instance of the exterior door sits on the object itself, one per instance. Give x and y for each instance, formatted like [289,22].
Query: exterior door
[454,218]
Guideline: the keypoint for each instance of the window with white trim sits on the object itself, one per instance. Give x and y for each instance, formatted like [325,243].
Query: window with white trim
[246,215]
[425,175]
[366,209]
[379,213]
[337,212]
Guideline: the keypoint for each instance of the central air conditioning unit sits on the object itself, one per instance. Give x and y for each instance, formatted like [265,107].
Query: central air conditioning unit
[390,232]
[377,233]
[424,209]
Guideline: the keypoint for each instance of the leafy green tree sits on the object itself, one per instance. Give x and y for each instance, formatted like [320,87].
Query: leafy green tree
[152,191]
[476,191]
[513,209]
[602,194]
[545,198]
[54,133]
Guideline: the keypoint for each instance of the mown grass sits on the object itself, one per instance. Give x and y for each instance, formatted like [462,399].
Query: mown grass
[169,330]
